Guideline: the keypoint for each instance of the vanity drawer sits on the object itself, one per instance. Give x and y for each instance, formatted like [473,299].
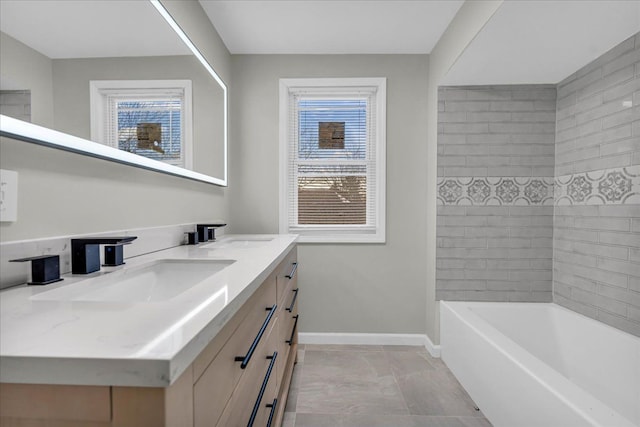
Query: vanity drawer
[247,394]
[215,386]
[287,277]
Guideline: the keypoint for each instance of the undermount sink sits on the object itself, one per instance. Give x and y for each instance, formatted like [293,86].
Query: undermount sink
[160,280]
[239,243]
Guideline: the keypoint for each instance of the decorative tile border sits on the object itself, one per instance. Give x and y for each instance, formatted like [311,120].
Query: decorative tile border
[492,191]
[603,187]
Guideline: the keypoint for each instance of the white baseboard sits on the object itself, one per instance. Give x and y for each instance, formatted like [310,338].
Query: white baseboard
[434,350]
[369,339]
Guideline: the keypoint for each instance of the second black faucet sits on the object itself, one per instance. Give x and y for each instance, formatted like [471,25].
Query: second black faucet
[207,232]
[85,252]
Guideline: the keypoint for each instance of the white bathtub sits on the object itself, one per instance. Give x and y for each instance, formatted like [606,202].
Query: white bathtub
[541,365]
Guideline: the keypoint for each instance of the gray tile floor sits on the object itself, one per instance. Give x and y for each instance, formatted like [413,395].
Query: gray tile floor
[376,386]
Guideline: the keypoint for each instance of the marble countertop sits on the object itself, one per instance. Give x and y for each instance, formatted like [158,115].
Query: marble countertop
[147,344]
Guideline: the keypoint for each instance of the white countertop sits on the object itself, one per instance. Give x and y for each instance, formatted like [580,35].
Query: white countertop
[129,343]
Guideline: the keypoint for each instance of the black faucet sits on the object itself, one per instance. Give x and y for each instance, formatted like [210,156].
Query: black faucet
[85,252]
[207,231]
[45,269]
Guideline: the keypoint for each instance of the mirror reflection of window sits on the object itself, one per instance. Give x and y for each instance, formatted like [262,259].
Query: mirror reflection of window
[146,117]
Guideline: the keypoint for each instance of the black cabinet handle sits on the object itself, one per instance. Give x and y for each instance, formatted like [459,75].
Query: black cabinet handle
[293,331]
[245,359]
[256,407]
[293,271]
[293,301]
[272,412]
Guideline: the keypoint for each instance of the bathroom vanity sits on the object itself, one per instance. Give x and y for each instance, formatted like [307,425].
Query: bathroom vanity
[216,349]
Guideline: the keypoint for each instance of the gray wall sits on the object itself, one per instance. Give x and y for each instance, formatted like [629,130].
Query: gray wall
[495,193]
[376,288]
[597,219]
[62,193]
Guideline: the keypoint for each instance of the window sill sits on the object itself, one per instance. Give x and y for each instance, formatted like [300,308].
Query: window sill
[341,238]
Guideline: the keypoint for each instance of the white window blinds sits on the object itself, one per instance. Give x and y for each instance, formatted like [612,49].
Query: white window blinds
[147,125]
[150,118]
[333,168]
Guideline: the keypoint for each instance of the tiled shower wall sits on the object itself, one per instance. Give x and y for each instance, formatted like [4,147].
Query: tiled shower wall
[516,169]
[597,214]
[495,193]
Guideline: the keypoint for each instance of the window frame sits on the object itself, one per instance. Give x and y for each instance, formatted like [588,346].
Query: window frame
[101,90]
[371,233]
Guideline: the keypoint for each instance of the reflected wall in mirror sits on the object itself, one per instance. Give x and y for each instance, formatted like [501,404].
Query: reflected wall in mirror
[53,51]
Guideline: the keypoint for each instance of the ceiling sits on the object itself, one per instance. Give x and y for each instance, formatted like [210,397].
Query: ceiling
[524,42]
[543,41]
[330,26]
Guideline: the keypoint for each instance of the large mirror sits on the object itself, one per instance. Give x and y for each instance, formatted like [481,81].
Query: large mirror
[117,80]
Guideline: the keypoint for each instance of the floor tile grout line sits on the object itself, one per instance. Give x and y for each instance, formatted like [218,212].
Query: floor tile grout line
[395,380]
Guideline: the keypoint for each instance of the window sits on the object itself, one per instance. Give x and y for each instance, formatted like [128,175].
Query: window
[332,154]
[151,118]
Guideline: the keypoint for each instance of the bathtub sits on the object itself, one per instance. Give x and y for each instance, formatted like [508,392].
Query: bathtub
[541,365]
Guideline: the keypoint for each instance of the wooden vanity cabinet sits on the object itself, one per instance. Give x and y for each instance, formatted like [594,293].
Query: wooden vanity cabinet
[213,391]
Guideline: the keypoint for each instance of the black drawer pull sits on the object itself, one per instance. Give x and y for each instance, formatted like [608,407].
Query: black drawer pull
[293,271]
[245,359]
[272,412]
[293,301]
[263,388]
[293,331]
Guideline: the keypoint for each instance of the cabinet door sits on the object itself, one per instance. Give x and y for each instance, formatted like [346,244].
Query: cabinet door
[215,386]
